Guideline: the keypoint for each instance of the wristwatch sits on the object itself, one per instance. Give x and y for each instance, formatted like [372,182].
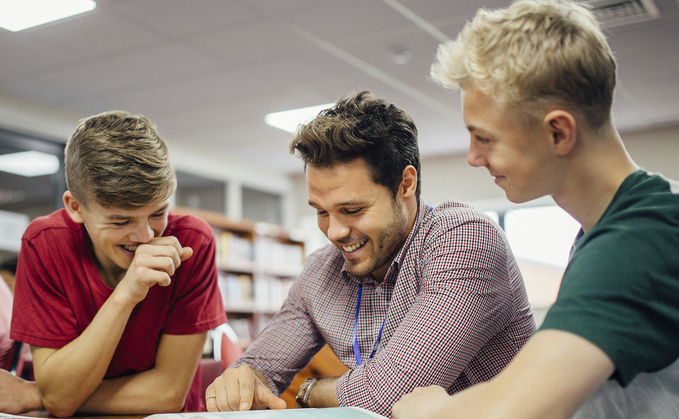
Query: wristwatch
[305,391]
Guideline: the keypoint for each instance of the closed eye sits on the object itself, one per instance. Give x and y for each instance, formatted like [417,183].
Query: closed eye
[481,140]
[351,212]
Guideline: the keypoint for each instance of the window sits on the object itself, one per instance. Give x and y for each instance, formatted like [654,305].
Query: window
[541,238]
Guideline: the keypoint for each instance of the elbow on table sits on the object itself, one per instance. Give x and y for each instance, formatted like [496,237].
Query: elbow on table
[60,408]
[174,405]
[172,401]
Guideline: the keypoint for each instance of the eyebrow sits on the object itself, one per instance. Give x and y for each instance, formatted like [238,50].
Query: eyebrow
[343,203]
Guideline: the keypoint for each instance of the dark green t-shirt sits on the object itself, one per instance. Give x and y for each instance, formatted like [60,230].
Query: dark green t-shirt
[620,290]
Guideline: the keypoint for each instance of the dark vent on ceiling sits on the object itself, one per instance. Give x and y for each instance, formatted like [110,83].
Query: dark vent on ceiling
[617,12]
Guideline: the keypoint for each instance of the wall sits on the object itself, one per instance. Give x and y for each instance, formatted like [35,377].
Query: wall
[58,126]
[450,176]
[445,177]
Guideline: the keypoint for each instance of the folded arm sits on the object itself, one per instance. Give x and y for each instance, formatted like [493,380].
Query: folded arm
[67,376]
[163,388]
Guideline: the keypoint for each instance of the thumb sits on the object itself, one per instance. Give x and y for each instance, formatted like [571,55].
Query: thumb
[274,402]
[187,252]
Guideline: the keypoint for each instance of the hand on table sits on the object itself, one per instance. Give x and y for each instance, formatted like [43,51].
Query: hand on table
[241,389]
[18,395]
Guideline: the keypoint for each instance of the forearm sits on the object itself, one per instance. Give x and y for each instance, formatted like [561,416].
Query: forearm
[161,389]
[324,393]
[144,393]
[284,348]
[68,376]
[551,377]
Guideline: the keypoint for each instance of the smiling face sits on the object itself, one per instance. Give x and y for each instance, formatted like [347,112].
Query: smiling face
[516,154]
[361,218]
[115,233]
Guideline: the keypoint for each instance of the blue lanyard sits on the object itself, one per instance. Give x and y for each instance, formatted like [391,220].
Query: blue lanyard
[357,351]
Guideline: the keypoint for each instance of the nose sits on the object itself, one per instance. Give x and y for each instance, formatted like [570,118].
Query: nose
[337,230]
[474,156]
[143,233]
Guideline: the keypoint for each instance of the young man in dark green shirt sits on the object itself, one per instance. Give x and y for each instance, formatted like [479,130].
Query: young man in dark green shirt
[537,83]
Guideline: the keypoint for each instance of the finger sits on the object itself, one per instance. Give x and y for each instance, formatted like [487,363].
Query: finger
[246,390]
[186,253]
[157,250]
[150,277]
[231,390]
[211,404]
[158,263]
[220,393]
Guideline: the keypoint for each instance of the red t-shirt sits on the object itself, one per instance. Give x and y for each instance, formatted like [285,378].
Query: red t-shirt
[59,291]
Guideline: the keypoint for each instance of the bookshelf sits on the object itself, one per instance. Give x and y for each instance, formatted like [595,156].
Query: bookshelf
[256,263]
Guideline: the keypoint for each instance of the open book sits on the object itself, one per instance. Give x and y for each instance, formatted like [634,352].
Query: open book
[326,413]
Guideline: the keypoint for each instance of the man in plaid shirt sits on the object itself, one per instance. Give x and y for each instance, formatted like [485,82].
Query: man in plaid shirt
[407,295]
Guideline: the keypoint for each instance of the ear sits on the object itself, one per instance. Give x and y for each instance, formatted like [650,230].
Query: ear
[563,129]
[408,185]
[73,207]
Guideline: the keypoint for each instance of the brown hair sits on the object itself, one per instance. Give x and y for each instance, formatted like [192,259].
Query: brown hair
[362,126]
[118,160]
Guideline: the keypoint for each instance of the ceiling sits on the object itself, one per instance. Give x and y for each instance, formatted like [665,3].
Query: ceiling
[207,71]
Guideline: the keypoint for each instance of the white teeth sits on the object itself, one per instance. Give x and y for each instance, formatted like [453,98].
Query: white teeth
[130,248]
[354,247]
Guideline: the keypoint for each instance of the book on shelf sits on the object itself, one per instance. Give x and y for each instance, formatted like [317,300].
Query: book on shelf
[234,250]
[258,293]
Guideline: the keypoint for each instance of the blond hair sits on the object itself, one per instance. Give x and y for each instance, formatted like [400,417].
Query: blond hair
[118,160]
[534,53]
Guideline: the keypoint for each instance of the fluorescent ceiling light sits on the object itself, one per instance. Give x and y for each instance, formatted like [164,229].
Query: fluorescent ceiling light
[17,15]
[289,120]
[29,163]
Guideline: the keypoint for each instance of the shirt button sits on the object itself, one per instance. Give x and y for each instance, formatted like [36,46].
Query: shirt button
[378,290]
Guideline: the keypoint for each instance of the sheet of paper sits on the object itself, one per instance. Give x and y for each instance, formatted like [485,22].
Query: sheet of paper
[327,413]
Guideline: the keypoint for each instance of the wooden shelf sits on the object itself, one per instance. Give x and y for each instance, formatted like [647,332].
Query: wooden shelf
[256,262]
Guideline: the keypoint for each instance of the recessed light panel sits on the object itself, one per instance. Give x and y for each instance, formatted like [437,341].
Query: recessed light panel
[29,163]
[291,119]
[17,15]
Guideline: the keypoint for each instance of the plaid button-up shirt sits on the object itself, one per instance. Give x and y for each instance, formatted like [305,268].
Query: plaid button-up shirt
[455,305]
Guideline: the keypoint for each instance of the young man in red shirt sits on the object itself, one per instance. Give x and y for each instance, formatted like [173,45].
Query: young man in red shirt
[114,293]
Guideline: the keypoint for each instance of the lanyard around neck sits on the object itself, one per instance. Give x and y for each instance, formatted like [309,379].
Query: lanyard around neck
[357,350]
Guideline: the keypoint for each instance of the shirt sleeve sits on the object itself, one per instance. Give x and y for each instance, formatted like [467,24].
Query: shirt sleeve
[461,306]
[286,345]
[197,307]
[42,314]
